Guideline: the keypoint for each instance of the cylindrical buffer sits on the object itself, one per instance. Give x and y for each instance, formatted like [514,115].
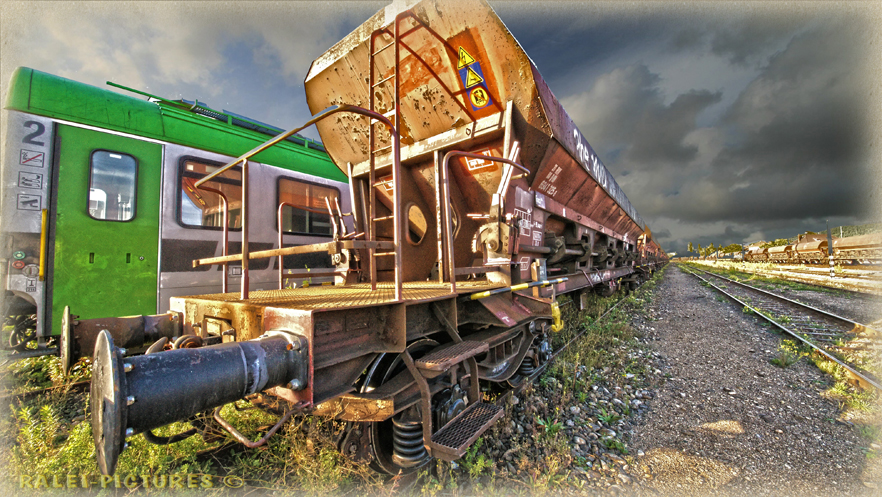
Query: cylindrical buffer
[134,394]
[78,337]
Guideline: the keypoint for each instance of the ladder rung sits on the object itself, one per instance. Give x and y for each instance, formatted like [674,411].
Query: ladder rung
[383,48]
[384,218]
[378,83]
[377,254]
[390,114]
[381,149]
[451,441]
[442,359]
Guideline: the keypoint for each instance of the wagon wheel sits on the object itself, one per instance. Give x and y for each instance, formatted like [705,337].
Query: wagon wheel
[532,361]
[23,332]
[402,429]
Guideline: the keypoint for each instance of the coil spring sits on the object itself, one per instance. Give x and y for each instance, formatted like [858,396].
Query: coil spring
[528,367]
[407,443]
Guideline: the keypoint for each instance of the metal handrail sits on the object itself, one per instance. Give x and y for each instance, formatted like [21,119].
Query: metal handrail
[243,159]
[445,204]
[226,231]
[279,226]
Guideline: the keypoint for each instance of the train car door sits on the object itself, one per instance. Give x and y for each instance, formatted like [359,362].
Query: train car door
[106,225]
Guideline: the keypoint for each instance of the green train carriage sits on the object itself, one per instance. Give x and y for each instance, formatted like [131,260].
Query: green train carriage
[98,208]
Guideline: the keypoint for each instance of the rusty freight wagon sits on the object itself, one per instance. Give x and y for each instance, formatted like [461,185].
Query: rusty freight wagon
[475,202]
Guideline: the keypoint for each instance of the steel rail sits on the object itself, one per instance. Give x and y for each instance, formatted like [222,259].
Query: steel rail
[857,373]
[79,386]
[856,327]
[541,369]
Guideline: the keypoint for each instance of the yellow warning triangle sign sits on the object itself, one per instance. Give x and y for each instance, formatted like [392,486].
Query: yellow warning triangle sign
[472,78]
[464,58]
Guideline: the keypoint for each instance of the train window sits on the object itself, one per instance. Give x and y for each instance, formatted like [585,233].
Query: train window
[309,213]
[203,207]
[112,180]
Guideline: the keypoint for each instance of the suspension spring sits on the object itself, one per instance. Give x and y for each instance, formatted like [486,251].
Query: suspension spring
[407,442]
[528,367]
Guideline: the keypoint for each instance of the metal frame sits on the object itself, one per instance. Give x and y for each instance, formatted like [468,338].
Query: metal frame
[370,243]
[445,203]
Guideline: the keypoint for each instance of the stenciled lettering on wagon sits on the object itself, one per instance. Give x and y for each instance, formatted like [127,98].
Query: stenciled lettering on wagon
[591,163]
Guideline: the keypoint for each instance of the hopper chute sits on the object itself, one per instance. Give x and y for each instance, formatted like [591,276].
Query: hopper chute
[459,65]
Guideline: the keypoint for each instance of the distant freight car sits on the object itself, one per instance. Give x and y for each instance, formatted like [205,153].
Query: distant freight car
[100,212]
[812,248]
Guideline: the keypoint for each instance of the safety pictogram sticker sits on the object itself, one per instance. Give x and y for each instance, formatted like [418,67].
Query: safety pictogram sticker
[479,97]
[29,202]
[472,78]
[30,180]
[32,158]
[464,58]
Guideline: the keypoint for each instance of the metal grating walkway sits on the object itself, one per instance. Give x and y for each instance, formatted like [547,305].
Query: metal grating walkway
[330,296]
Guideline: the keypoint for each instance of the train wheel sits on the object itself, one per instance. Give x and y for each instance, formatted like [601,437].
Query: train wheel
[24,331]
[539,355]
[397,443]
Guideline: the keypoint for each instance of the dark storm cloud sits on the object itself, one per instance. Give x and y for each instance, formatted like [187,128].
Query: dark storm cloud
[789,150]
[627,118]
[800,127]
[750,38]
[742,40]
[793,144]
[661,129]
[661,235]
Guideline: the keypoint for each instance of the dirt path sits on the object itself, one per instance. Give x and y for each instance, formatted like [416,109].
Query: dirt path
[728,422]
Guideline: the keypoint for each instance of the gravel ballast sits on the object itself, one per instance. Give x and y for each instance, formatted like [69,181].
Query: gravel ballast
[726,421]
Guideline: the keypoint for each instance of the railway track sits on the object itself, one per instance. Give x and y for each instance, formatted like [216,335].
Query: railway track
[77,387]
[839,339]
[864,281]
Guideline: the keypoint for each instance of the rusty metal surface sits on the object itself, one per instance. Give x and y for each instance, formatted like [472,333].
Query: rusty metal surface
[335,297]
[873,240]
[506,71]
[812,246]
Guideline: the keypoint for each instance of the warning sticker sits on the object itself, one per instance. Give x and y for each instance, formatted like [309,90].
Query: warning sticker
[474,164]
[472,78]
[479,97]
[31,158]
[471,75]
[30,180]
[464,58]
[29,202]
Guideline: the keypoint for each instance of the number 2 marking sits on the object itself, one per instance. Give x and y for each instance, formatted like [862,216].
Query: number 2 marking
[29,139]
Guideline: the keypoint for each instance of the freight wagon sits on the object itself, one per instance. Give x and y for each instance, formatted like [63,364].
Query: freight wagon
[476,202]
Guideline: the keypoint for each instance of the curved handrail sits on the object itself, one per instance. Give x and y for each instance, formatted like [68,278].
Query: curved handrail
[445,205]
[226,230]
[335,109]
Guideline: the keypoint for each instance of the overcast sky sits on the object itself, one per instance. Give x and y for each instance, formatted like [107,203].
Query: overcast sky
[722,122]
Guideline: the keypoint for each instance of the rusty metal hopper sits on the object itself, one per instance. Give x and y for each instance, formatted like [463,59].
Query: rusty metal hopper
[461,64]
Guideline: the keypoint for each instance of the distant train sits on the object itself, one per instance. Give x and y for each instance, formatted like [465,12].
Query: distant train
[100,211]
[814,249]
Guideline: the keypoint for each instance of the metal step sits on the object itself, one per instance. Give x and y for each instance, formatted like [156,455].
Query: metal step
[453,439]
[443,359]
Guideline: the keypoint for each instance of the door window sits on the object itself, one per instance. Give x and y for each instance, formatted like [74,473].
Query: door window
[112,180]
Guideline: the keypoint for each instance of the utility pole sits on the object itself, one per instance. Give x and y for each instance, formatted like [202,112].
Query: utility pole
[830,249]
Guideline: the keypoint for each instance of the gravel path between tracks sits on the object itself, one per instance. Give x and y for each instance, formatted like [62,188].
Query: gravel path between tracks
[728,422]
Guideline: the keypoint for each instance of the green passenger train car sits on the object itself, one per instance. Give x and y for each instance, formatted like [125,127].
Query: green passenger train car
[99,212]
